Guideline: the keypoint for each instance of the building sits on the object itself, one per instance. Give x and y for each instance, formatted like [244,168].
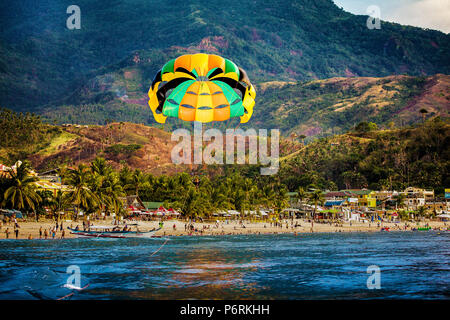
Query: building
[366,198]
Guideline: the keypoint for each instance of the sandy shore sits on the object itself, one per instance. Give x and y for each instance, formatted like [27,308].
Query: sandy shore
[177,227]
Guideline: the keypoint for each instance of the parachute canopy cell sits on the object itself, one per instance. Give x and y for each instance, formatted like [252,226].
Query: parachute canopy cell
[201,87]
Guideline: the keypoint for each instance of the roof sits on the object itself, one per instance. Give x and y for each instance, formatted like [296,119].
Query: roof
[330,203]
[334,194]
[358,191]
[152,205]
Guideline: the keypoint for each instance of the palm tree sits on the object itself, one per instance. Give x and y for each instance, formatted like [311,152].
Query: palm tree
[22,191]
[400,200]
[316,197]
[301,194]
[59,203]
[100,166]
[423,112]
[421,211]
[112,192]
[80,195]
[302,138]
[137,179]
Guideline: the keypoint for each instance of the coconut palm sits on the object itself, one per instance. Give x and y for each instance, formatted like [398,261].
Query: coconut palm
[423,112]
[81,195]
[21,193]
[137,179]
[316,197]
[59,203]
[400,200]
[421,211]
[301,194]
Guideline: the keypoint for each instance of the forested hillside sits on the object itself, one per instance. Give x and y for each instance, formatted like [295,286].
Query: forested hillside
[44,63]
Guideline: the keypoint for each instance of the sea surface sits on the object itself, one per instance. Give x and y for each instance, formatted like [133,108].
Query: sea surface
[413,265]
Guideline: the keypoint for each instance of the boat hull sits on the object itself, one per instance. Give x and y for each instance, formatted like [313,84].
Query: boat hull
[114,235]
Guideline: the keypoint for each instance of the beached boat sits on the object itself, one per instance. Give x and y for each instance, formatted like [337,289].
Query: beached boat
[112,232]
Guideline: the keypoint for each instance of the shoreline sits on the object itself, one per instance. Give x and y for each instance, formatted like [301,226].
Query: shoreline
[31,229]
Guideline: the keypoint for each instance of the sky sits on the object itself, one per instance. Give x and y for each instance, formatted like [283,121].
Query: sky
[431,14]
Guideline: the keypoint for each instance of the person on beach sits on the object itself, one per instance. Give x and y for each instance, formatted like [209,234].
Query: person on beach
[16,231]
[53,233]
[7,233]
[63,234]
[45,234]
[30,237]
[40,232]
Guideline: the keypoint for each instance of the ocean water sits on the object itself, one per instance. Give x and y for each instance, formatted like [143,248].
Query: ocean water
[413,265]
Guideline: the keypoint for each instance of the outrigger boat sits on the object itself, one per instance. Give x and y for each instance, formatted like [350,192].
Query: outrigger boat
[112,232]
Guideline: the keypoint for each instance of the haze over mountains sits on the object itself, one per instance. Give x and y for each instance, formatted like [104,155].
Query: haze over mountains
[103,71]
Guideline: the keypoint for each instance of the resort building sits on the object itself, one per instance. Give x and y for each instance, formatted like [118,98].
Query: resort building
[366,198]
[437,207]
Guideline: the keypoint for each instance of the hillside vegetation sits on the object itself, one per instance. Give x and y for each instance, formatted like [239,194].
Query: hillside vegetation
[365,157]
[374,159]
[44,63]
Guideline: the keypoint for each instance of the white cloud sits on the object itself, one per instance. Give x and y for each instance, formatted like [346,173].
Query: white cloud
[432,14]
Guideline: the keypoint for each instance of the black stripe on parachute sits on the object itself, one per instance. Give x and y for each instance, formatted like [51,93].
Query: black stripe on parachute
[161,93]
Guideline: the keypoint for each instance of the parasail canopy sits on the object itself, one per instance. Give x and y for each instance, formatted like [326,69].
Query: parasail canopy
[201,87]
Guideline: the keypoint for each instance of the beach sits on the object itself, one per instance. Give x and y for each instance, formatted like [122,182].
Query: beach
[30,229]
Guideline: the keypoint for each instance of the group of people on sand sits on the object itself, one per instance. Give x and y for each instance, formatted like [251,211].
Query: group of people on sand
[7,231]
[52,232]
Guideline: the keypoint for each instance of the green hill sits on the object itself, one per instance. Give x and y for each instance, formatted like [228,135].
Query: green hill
[44,63]
[374,159]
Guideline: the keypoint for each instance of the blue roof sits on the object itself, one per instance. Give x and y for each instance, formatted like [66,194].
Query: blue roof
[330,203]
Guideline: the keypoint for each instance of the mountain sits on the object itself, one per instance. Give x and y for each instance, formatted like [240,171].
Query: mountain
[375,159]
[319,107]
[335,105]
[122,143]
[365,157]
[43,63]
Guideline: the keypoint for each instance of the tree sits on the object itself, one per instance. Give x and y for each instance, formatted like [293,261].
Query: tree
[421,211]
[423,112]
[59,203]
[400,200]
[21,193]
[137,179]
[81,195]
[301,195]
[316,197]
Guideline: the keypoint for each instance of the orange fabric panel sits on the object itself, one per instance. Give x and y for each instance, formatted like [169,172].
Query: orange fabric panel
[216,61]
[183,61]
[186,114]
[222,114]
[218,99]
[189,99]
[194,87]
